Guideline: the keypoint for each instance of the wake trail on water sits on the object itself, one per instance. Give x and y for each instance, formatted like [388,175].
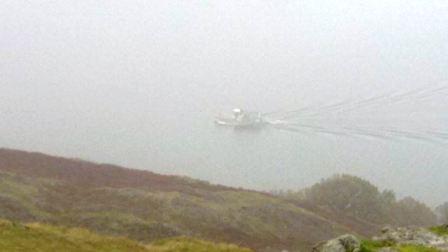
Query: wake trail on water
[336,119]
[387,134]
[346,106]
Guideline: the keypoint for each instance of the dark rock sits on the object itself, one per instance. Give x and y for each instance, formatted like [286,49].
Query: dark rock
[345,243]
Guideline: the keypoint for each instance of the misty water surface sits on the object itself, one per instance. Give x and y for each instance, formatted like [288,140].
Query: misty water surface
[138,83]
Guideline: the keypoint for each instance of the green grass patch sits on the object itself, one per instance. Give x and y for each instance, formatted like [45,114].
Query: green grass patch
[42,238]
[185,244]
[36,237]
[373,246]
[416,248]
[440,230]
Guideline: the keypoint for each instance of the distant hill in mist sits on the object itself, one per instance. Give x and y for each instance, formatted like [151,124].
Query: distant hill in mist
[145,206]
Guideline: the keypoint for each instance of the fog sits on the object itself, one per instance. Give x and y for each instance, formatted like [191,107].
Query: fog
[138,83]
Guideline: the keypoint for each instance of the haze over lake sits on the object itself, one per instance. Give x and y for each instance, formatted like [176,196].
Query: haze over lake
[138,83]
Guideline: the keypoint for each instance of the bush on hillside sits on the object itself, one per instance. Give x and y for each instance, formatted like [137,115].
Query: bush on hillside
[353,196]
[442,213]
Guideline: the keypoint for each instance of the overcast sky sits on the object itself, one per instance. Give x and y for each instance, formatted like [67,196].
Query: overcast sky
[138,82]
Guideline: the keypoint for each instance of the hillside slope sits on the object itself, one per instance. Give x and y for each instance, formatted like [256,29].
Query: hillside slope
[146,206]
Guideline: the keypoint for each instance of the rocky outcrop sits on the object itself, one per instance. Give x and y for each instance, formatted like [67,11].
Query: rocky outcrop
[390,240]
[345,243]
[414,236]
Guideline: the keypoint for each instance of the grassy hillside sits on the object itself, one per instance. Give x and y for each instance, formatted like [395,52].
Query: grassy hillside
[43,238]
[145,206]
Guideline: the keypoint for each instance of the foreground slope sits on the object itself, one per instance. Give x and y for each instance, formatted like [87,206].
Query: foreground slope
[43,238]
[146,206]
